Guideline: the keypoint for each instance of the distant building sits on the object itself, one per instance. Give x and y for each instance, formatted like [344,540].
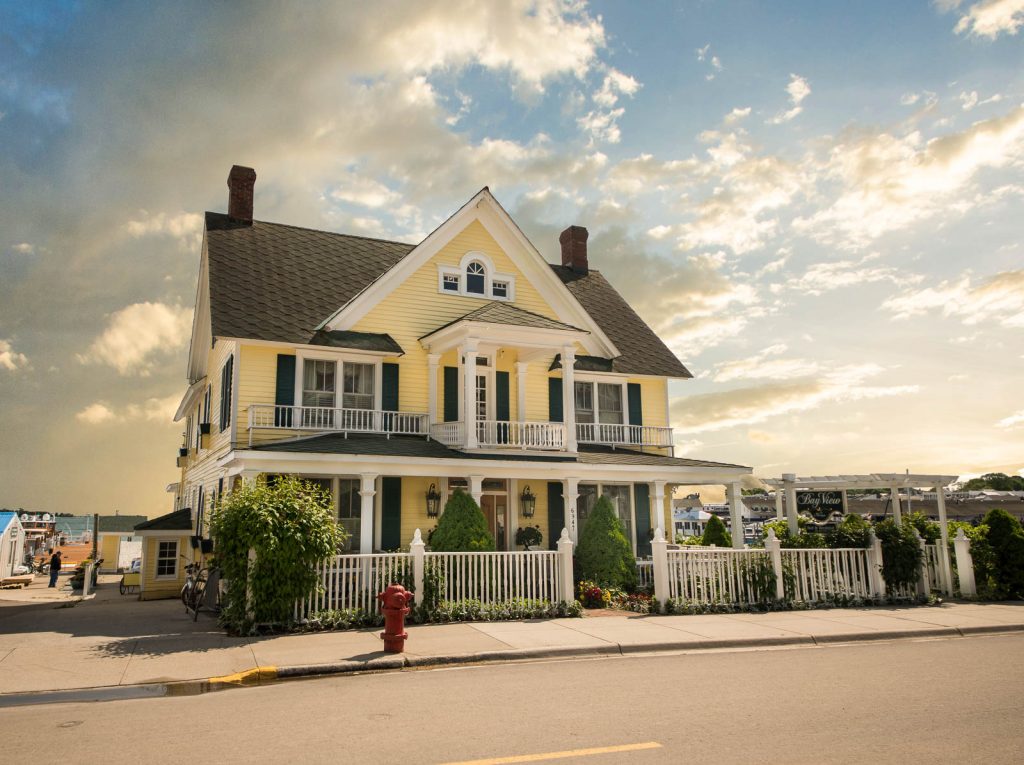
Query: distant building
[12,543]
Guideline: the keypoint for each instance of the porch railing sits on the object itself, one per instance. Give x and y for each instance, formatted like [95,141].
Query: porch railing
[334,419]
[626,435]
[503,434]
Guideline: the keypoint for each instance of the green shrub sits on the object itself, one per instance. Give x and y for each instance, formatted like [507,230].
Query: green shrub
[930,531]
[529,536]
[687,541]
[902,557]
[715,533]
[603,555]
[291,526]
[1006,538]
[803,540]
[982,556]
[852,531]
[462,528]
[472,610]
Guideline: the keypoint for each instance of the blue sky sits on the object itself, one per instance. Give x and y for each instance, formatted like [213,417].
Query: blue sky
[817,205]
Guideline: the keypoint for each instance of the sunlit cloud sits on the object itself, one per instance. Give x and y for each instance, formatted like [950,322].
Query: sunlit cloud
[137,333]
[798,89]
[997,299]
[987,18]
[10,359]
[1013,421]
[157,410]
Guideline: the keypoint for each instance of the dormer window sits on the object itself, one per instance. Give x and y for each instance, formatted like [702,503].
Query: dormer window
[476,279]
[475,276]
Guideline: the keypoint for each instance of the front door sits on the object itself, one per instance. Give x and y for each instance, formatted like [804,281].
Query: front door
[494,507]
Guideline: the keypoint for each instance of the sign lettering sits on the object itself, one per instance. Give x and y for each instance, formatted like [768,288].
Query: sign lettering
[819,504]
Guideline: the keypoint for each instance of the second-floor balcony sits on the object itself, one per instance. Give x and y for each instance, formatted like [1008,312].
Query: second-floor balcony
[327,419]
[549,436]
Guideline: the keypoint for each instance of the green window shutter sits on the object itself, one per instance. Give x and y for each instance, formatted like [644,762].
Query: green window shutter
[391,513]
[451,394]
[226,378]
[555,402]
[636,409]
[389,387]
[501,406]
[284,390]
[556,514]
[642,495]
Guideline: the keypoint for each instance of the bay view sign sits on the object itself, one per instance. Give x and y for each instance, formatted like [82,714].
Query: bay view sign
[819,504]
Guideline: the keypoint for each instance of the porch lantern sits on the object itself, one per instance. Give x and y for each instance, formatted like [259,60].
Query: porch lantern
[433,501]
[527,502]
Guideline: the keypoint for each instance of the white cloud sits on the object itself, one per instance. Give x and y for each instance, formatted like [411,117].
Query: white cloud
[737,115]
[752,405]
[137,333]
[602,125]
[798,89]
[825,277]
[712,60]
[1012,421]
[361,190]
[187,228]
[10,359]
[989,18]
[998,299]
[160,410]
[888,182]
[762,366]
[23,248]
[615,84]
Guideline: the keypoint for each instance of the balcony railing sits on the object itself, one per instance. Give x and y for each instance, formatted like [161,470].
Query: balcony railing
[622,435]
[502,434]
[316,418]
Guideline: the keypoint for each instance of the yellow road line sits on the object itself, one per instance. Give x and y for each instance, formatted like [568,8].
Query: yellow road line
[256,674]
[561,755]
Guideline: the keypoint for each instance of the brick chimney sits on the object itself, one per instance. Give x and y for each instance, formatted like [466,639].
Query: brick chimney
[240,183]
[574,249]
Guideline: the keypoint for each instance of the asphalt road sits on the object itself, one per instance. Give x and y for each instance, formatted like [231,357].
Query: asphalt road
[909,701]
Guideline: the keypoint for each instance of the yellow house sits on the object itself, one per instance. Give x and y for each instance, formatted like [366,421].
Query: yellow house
[166,549]
[116,543]
[395,373]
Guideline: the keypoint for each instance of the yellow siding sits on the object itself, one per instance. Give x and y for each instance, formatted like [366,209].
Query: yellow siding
[414,508]
[153,588]
[108,547]
[652,398]
[257,384]
[537,391]
[416,308]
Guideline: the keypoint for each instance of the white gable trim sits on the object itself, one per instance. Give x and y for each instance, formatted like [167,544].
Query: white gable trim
[484,208]
[202,326]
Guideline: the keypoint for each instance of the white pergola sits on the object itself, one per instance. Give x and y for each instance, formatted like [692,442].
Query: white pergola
[892,482]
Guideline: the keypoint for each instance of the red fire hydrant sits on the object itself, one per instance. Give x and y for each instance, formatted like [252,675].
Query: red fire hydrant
[395,605]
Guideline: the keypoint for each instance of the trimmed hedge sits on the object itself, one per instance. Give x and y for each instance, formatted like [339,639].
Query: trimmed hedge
[462,528]
[603,554]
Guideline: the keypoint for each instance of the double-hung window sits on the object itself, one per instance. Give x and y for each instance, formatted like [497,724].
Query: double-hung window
[600,403]
[318,393]
[584,402]
[167,558]
[321,397]
[609,403]
[350,511]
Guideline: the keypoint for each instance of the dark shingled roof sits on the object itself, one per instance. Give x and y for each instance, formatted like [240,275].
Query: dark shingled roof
[361,341]
[270,281]
[642,351]
[417,446]
[179,520]
[119,522]
[584,364]
[504,313]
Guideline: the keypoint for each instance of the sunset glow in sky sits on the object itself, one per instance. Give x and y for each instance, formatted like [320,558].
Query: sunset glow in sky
[817,205]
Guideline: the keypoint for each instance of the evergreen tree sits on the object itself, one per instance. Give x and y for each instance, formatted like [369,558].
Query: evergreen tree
[1006,537]
[462,528]
[715,533]
[603,554]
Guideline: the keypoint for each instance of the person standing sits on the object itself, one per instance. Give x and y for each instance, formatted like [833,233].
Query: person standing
[54,568]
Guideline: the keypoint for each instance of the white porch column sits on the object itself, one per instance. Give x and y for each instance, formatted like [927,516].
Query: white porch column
[734,495]
[778,503]
[476,488]
[469,395]
[791,516]
[570,493]
[521,369]
[569,396]
[897,515]
[249,477]
[367,491]
[846,502]
[433,359]
[658,510]
[947,569]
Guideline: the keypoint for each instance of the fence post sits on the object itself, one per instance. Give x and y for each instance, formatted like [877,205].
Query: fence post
[875,565]
[659,556]
[250,604]
[923,583]
[417,549]
[565,566]
[964,565]
[774,548]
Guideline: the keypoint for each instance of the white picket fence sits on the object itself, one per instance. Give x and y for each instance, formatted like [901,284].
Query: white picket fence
[353,581]
[715,575]
[820,574]
[645,573]
[493,577]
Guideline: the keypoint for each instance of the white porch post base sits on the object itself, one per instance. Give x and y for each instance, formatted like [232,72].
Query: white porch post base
[476,488]
[659,556]
[570,494]
[565,564]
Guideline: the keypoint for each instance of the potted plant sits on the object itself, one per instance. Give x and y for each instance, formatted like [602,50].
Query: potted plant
[529,536]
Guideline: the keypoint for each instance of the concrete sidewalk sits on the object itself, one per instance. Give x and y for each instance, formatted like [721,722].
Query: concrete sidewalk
[115,641]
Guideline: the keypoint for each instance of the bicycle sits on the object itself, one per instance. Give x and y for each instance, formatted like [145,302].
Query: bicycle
[194,590]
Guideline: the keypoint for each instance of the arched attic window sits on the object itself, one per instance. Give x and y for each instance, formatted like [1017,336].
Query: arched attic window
[476,278]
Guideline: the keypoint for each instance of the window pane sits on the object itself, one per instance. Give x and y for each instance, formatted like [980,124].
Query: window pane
[358,386]
[499,289]
[609,402]
[584,402]
[318,383]
[475,278]
[349,507]
[451,283]
[585,503]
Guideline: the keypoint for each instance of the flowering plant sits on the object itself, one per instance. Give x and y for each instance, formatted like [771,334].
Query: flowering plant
[591,595]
